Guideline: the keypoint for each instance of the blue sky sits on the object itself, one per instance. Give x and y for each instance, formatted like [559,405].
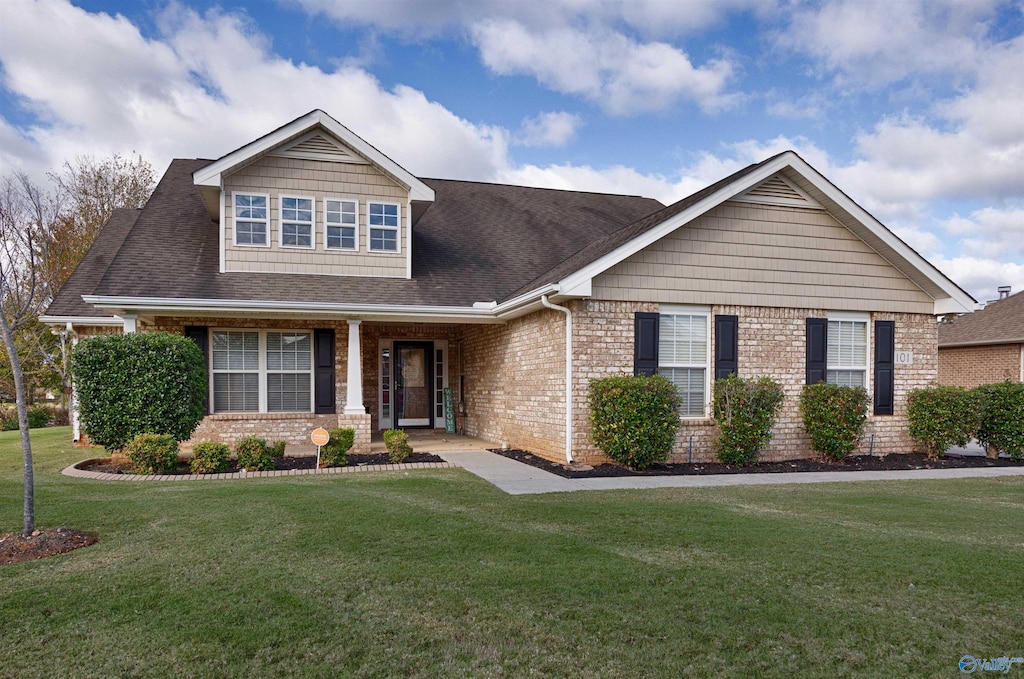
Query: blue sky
[915,108]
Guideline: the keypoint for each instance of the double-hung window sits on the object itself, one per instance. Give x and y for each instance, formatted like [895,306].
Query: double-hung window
[340,224]
[252,218]
[847,350]
[683,356]
[262,371]
[383,227]
[296,222]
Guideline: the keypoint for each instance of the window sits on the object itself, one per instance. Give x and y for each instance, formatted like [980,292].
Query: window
[251,212]
[383,225]
[847,351]
[296,222]
[683,357]
[262,371]
[340,219]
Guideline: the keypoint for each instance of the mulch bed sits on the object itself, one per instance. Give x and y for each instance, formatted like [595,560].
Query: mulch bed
[17,548]
[281,463]
[852,464]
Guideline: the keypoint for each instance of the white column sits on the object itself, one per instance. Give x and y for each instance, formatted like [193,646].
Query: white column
[76,427]
[354,395]
[129,322]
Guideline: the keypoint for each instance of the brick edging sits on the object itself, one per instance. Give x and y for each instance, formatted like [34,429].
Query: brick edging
[75,472]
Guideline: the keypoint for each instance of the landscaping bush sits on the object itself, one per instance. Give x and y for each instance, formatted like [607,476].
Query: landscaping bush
[8,419]
[209,457]
[135,383]
[397,443]
[634,418]
[1002,418]
[943,416]
[745,410]
[38,417]
[254,455]
[152,453]
[277,450]
[834,418]
[58,416]
[333,453]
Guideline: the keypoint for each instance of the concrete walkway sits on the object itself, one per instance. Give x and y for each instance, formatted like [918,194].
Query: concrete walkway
[517,478]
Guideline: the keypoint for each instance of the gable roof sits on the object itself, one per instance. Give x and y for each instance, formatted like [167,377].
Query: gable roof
[1000,322]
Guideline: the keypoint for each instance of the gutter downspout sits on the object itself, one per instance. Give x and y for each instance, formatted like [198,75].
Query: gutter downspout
[568,374]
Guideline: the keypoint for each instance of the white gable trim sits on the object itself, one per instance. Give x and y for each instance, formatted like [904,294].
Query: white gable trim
[211,175]
[956,300]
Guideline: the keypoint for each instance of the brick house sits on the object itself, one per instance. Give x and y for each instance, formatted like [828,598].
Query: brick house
[985,346]
[329,286]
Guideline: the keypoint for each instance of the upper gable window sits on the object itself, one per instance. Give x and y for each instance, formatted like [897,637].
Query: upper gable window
[252,218]
[383,227]
[296,222]
[340,219]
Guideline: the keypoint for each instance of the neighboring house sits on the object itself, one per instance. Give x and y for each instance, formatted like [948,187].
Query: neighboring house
[985,346]
[329,286]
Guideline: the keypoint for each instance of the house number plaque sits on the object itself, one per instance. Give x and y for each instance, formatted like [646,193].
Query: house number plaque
[904,358]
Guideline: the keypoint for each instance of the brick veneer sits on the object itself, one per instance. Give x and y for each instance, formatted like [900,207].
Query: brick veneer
[973,366]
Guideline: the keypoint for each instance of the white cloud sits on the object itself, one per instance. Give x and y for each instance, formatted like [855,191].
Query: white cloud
[553,128]
[981,276]
[990,232]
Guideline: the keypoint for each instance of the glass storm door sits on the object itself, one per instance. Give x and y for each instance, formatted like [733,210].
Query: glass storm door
[413,384]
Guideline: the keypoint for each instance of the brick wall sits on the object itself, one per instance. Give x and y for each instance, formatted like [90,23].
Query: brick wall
[972,366]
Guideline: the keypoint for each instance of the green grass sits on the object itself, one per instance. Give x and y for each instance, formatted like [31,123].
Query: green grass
[436,573]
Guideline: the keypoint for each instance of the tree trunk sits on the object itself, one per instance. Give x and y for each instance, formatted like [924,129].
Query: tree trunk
[26,443]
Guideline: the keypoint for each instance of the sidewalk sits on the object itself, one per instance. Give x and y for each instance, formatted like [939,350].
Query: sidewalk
[516,478]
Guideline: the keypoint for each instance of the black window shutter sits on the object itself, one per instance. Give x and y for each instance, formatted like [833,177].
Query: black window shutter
[199,335]
[323,370]
[726,346]
[885,358]
[817,349]
[645,343]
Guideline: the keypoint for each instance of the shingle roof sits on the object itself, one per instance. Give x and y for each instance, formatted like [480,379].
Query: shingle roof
[1000,322]
[476,242]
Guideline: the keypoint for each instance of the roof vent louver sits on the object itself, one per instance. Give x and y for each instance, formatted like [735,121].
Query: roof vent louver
[318,146]
[777,190]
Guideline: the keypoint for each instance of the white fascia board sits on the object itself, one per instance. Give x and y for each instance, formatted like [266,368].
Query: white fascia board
[516,303]
[81,320]
[980,343]
[211,174]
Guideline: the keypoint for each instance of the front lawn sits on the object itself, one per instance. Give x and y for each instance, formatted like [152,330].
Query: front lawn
[435,573]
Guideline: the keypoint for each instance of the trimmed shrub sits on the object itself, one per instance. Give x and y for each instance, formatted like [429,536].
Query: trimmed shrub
[209,457]
[834,418]
[397,443]
[135,383]
[634,418]
[943,416]
[277,449]
[1002,418]
[38,417]
[253,454]
[152,453]
[745,410]
[333,453]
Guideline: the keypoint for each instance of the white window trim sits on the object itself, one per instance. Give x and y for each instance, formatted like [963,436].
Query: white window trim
[311,222]
[396,229]
[355,226]
[860,317]
[389,344]
[234,219]
[263,371]
[693,310]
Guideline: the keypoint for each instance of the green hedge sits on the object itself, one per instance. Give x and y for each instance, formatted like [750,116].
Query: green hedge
[209,457]
[634,419]
[335,452]
[745,411]
[1002,418]
[254,455]
[152,453]
[834,418]
[136,383]
[397,442]
[943,416]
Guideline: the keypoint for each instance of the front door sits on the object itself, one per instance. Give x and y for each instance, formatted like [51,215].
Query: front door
[414,384]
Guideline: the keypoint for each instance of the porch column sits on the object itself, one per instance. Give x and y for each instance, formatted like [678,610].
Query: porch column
[354,395]
[129,322]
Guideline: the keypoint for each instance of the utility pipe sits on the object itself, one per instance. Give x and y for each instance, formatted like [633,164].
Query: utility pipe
[568,374]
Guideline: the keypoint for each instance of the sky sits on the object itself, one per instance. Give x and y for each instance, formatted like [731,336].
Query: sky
[914,108]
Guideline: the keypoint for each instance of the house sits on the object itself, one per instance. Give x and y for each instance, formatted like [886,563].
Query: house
[985,346]
[329,286]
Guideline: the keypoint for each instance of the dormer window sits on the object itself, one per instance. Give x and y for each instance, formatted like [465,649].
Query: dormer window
[383,227]
[296,222]
[340,219]
[252,218]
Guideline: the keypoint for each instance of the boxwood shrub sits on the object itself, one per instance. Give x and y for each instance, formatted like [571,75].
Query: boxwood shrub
[834,418]
[397,442]
[745,411]
[943,416]
[209,457]
[254,455]
[1002,418]
[152,453]
[333,453]
[136,383]
[277,449]
[634,419]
